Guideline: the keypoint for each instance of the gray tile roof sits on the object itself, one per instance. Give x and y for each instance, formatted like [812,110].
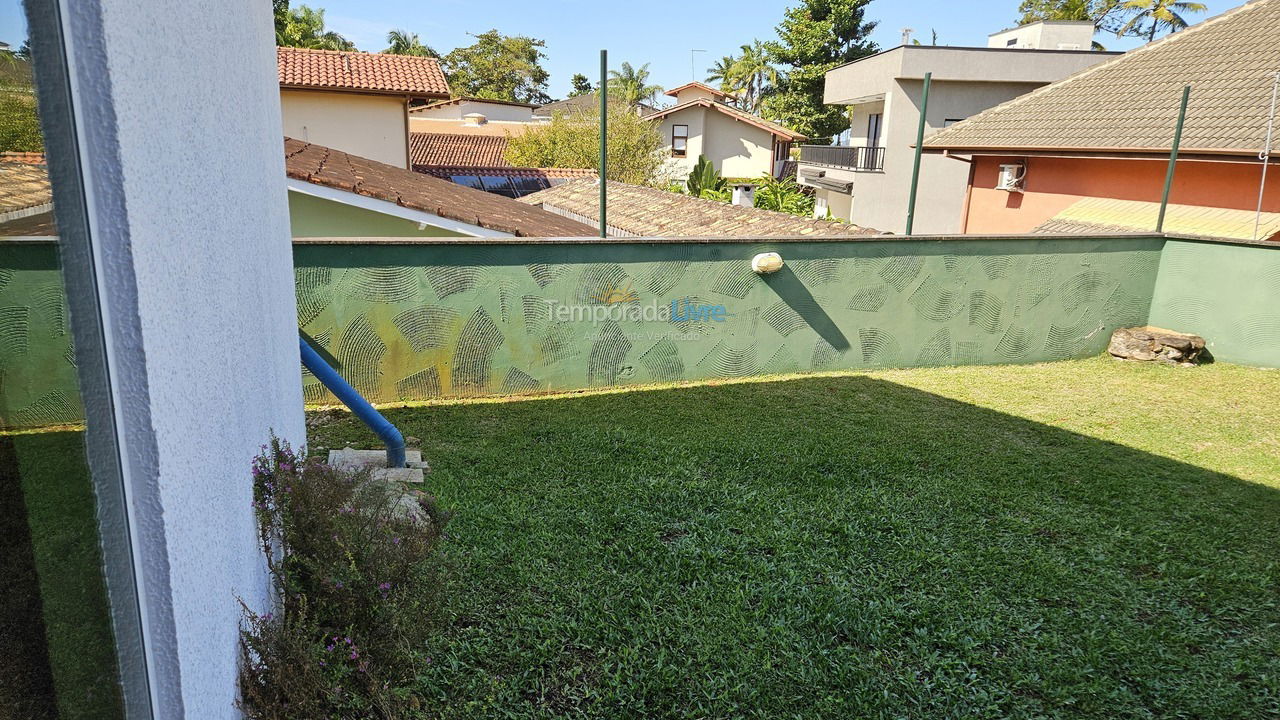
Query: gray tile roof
[1130,103]
[649,212]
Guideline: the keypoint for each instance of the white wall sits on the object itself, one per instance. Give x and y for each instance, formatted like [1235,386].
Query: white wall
[180,140]
[368,126]
[499,112]
[735,148]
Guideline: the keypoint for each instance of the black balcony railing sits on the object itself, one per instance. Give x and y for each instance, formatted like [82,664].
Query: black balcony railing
[862,159]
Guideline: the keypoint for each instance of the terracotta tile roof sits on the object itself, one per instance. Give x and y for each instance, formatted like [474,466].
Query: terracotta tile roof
[676,91]
[447,171]
[734,113]
[1104,215]
[34,158]
[24,187]
[648,212]
[1130,103]
[335,169]
[361,72]
[457,149]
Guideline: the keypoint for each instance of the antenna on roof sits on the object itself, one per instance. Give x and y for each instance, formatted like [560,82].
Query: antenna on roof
[693,71]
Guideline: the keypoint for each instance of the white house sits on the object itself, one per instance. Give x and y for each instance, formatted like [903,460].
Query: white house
[739,144]
[868,181]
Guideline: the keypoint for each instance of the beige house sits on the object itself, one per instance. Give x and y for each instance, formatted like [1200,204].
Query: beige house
[868,181]
[739,144]
[355,102]
[474,116]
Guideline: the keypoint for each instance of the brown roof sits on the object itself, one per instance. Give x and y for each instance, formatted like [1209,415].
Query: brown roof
[335,169]
[695,84]
[24,185]
[457,149]
[734,113]
[447,171]
[1130,103]
[361,72]
[648,212]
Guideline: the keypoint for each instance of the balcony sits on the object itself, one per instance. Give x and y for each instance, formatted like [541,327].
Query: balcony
[858,159]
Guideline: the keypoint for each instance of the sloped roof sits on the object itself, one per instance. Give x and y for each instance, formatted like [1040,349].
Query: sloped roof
[734,113]
[1104,215]
[458,100]
[648,212]
[361,72]
[335,169]
[1130,103]
[457,149]
[24,184]
[586,102]
[695,84]
[448,171]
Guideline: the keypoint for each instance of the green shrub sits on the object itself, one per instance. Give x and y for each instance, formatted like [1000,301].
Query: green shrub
[784,195]
[355,577]
[705,180]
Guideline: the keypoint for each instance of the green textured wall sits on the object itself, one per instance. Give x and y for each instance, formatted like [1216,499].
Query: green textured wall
[311,216]
[1229,294]
[423,321]
[37,367]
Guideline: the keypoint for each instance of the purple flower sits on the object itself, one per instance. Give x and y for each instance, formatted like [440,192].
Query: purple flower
[384,586]
[322,663]
[395,541]
[337,584]
[354,654]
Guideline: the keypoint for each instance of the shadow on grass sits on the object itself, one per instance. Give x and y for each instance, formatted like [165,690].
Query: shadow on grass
[706,551]
[57,657]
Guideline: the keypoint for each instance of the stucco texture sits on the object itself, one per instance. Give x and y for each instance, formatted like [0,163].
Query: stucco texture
[368,126]
[409,322]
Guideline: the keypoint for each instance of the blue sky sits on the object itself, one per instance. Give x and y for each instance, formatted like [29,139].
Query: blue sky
[658,32]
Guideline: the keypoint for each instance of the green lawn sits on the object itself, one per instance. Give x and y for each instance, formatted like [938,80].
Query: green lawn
[1082,539]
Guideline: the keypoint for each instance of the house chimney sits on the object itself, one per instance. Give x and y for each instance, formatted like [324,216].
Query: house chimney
[474,120]
[744,194]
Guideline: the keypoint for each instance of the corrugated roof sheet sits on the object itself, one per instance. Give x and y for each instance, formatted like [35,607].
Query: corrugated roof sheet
[1130,103]
[649,212]
[1105,215]
[373,72]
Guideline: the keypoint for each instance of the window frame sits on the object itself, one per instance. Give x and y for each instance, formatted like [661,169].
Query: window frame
[679,152]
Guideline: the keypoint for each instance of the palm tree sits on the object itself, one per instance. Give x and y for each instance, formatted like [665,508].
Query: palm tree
[631,85]
[723,73]
[756,74]
[1162,14]
[403,42]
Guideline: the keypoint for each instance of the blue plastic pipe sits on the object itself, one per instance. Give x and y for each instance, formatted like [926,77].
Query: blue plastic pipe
[352,399]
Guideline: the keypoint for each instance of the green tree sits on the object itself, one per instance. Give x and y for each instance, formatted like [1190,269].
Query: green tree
[572,140]
[754,75]
[499,67]
[304,27]
[783,195]
[19,123]
[1157,15]
[403,42]
[631,85]
[814,37]
[581,85]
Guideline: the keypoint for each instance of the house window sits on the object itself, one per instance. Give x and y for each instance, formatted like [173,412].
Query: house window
[679,140]
[1012,42]
[873,129]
